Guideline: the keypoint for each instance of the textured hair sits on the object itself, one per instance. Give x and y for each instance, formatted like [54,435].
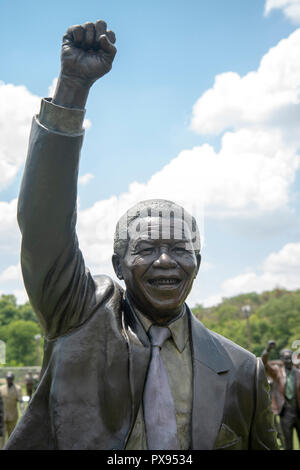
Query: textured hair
[151,208]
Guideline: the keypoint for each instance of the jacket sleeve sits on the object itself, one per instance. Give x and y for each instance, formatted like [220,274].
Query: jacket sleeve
[263,434]
[60,289]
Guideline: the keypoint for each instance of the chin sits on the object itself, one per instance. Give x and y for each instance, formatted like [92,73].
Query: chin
[166,309]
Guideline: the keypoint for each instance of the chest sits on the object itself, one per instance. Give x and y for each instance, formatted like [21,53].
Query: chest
[9,395]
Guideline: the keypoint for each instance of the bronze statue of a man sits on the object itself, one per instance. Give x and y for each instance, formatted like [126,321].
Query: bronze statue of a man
[129,369]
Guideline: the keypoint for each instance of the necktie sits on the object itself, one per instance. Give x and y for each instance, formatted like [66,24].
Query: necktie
[159,410]
[289,387]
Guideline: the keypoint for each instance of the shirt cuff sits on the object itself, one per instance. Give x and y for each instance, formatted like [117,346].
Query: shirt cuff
[61,119]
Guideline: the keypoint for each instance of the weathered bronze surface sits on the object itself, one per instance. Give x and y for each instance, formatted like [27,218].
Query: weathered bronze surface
[97,351]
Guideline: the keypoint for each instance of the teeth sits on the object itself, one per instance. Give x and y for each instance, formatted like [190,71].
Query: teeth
[164,282]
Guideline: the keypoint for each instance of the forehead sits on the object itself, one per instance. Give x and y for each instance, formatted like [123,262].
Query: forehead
[159,228]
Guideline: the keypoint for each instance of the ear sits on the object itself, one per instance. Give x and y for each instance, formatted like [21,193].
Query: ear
[198,257]
[116,261]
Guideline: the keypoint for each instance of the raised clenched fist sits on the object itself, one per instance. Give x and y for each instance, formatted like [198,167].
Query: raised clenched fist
[87,52]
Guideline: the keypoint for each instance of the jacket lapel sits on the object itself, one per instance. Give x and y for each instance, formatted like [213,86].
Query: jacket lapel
[139,356]
[211,364]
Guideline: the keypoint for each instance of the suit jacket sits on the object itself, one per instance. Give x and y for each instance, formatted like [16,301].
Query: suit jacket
[97,352]
[278,375]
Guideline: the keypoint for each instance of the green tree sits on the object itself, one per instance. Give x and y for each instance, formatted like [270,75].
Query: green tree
[21,347]
[8,309]
[274,315]
[26,313]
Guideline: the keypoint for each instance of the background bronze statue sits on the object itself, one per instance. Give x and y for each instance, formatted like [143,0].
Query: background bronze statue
[113,355]
[11,395]
[285,392]
[29,383]
[1,423]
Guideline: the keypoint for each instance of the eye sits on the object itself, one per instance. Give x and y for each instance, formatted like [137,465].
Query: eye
[179,249]
[145,251]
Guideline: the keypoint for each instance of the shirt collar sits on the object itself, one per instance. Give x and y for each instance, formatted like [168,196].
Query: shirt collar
[179,327]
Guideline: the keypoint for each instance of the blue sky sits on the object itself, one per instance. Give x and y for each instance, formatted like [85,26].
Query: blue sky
[189,97]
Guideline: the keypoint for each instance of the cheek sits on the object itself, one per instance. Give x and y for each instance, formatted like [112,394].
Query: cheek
[134,267]
[188,264]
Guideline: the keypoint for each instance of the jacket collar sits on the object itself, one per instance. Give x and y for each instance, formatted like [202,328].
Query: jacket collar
[206,349]
[211,365]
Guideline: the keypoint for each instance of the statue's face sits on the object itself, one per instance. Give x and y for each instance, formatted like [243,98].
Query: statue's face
[158,272]
[10,380]
[287,359]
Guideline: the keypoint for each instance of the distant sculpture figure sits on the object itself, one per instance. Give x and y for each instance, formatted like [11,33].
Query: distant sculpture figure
[11,395]
[285,392]
[29,382]
[1,423]
[277,424]
[130,369]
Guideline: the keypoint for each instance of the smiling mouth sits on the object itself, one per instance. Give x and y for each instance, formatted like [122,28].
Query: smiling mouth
[162,282]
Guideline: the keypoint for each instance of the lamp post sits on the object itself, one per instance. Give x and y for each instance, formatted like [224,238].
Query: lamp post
[37,339]
[246,309]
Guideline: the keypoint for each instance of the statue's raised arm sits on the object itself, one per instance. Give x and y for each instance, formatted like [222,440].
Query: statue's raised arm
[58,285]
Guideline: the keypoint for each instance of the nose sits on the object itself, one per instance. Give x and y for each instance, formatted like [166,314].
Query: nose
[164,261]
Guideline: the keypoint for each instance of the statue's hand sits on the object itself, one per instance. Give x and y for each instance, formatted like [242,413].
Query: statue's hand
[87,52]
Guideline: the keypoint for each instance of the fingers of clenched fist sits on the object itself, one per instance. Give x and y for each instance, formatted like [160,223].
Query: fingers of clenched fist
[91,36]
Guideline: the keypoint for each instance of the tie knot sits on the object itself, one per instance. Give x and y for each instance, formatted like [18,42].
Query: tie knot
[158,335]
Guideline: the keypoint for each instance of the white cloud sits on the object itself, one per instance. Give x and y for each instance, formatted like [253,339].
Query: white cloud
[279,269]
[85,179]
[18,106]
[9,230]
[11,282]
[268,97]
[52,87]
[10,240]
[258,160]
[290,8]
[12,273]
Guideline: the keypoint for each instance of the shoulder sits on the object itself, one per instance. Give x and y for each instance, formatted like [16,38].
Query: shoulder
[244,363]
[233,349]
[220,352]
[106,287]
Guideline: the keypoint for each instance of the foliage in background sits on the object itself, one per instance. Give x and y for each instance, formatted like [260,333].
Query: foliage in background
[18,328]
[275,315]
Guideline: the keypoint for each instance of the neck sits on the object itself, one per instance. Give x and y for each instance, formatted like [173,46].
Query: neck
[158,318]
